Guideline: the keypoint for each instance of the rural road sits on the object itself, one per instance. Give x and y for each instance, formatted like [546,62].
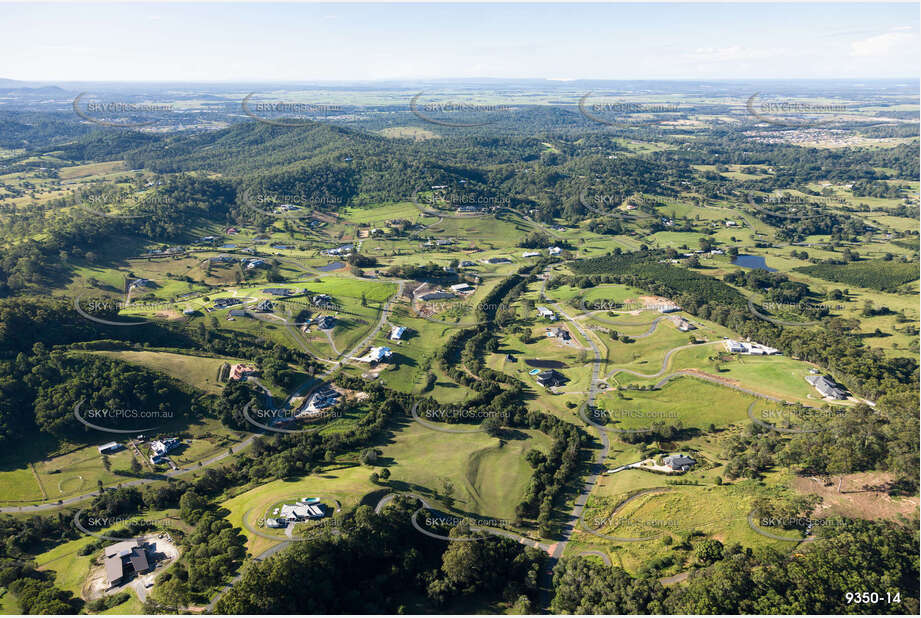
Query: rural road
[595,471]
[236,578]
[385,311]
[668,356]
[652,325]
[384,501]
[132,483]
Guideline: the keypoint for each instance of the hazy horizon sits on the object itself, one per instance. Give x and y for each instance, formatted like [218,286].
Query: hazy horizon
[373,43]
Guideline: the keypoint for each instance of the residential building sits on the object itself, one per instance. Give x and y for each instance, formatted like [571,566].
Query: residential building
[265,306]
[380,354]
[529,254]
[682,324]
[679,462]
[826,386]
[164,446]
[161,448]
[326,322]
[545,313]
[437,295]
[123,559]
[323,300]
[463,288]
[749,348]
[558,333]
[555,250]
[223,303]
[397,332]
[110,447]
[301,511]
[550,377]
[240,371]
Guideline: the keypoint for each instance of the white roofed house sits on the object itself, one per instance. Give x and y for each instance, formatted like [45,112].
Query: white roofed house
[749,347]
[545,313]
[397,332]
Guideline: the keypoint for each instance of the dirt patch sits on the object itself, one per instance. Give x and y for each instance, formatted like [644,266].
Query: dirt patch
[162,553]
[545,364]
[863,495]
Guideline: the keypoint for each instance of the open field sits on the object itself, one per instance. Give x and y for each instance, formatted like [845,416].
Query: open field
[198,371]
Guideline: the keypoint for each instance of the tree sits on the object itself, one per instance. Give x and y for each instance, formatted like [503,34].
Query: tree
[492,425]
[710,551]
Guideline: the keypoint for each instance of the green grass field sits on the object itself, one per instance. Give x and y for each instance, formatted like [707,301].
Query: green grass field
[198,371]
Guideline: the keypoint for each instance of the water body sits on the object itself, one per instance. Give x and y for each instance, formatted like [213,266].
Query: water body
[331,266]
[752,261]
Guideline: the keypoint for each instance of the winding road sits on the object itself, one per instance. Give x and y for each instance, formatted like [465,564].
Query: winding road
[665,361]
[596,469]
[132,483]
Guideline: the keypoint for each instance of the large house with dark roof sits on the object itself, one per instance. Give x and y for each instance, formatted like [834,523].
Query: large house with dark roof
[123,559]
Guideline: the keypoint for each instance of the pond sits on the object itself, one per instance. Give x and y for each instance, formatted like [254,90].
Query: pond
[752,261]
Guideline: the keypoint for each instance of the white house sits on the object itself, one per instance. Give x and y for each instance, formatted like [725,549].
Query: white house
[751,348]
[545,313]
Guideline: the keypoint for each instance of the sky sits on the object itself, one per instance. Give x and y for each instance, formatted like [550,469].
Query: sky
[350,42]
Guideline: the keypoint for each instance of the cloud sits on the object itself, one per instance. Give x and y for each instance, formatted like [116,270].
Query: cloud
[733,53]
[879,45]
